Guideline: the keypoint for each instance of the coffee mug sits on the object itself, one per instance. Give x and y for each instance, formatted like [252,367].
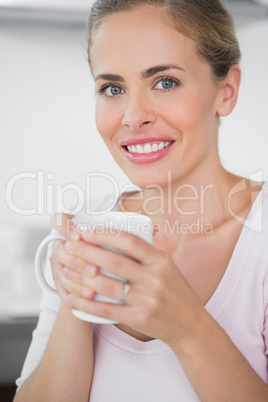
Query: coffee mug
[137,224]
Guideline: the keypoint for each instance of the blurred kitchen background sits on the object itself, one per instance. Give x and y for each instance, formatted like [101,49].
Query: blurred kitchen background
[49,137]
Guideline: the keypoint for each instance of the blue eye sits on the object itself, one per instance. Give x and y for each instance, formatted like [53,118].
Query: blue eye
[111,90]
[166,83]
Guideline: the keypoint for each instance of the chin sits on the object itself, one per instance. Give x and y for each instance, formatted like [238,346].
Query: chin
[145,181]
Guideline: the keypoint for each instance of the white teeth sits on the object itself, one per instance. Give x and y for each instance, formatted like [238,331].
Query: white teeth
[140,149]
[132,148]
[148,148]
[167,144]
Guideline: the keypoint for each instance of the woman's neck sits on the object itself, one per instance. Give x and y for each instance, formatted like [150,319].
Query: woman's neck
[197,205]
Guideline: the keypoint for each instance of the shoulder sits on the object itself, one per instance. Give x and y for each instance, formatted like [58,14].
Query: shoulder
[260,210]
[264,195]
[256,213]
[257,227]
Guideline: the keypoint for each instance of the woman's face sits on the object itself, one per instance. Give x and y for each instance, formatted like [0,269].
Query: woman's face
[156,106]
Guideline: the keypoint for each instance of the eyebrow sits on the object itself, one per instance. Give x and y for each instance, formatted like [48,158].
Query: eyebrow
[157,69]
[145,74]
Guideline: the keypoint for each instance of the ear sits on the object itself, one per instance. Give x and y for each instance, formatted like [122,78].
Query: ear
[229,91]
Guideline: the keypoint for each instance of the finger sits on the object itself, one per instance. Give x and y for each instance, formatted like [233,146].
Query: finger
[64,225]
[127,243]
[75,288]
[111,261]
[64,285]
[100,284]
[73,262]
[57,272]
[114,312]
[63,294]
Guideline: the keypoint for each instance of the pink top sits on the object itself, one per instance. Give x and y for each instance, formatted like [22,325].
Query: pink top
[127,369]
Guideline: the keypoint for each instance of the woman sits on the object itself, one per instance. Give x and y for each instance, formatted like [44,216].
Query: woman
[193,326]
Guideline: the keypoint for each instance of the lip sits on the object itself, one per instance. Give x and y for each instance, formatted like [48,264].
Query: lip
[150,157]
[144,140]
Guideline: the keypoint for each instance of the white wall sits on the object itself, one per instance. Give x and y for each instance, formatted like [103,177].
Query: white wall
[47,113]
[244,134]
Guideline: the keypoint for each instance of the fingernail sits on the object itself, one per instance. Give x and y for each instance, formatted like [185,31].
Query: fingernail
[87,234]
[87,294]
[74,235]
[70,246]
[156,228]
[67,272]
[91,269]
[72,298]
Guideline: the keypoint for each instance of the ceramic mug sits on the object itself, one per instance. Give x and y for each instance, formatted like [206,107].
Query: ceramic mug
[137,224]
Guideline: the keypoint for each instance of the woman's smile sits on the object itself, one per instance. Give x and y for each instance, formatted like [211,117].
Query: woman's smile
[147,149]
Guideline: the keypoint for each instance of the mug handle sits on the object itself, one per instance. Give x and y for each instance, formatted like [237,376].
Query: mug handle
[39,270]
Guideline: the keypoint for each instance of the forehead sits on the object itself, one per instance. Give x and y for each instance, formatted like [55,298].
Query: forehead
[139,38]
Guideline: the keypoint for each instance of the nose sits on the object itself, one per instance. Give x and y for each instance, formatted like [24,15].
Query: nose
[138,113]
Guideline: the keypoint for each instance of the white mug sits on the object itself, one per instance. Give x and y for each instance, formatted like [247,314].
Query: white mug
[137,224]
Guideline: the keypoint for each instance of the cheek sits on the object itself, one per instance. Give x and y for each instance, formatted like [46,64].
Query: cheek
[107,120]
[191,114]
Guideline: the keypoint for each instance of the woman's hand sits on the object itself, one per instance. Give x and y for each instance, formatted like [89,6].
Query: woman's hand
[60,260]
[160,302]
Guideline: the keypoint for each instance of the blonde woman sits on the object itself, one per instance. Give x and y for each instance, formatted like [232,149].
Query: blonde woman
[194,321]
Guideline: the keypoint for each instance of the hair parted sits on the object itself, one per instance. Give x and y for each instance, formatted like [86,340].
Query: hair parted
[207,22]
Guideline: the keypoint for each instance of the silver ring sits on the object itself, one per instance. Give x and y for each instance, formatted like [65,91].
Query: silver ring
[126,290]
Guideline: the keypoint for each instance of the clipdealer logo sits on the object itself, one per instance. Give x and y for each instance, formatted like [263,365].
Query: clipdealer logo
[187,200]
[49,196]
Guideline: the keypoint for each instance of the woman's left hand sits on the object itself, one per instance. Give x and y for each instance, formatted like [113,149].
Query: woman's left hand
[160,302]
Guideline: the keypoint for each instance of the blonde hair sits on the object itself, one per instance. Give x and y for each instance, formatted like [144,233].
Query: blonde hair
[207,22]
